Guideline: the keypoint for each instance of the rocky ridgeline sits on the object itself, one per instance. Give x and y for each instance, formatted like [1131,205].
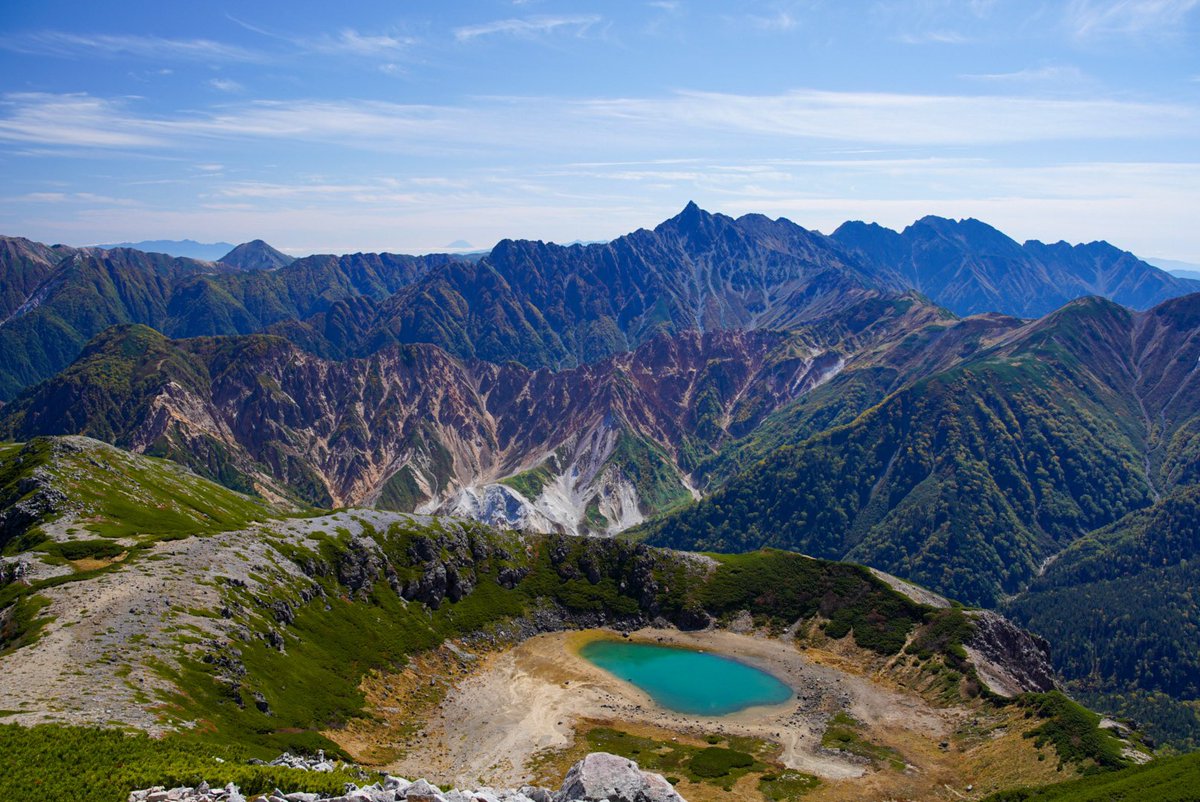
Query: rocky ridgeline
[599,776]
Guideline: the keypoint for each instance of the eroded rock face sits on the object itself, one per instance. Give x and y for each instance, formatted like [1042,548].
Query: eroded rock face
[1009,659]
[601,776]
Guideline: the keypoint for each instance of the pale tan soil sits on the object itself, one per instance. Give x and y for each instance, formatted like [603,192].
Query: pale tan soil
[528,700]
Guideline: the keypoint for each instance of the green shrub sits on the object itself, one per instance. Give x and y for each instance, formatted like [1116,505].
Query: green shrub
[716,761]
[54,762]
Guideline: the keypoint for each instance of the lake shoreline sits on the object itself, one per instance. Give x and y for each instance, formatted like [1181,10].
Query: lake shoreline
[529,700]
[700,682]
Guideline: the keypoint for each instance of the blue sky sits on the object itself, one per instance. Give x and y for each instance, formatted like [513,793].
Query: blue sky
[407,126]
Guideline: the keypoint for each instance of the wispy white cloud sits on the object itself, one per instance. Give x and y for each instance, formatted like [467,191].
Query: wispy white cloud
[351,42]
[73,45]
[42,197]
[1059,74]
[529,26]
[536,124]
[226,85]
[346,42]
[933,37]
[779,21]
[72,120]
[88,198]
[1087,19]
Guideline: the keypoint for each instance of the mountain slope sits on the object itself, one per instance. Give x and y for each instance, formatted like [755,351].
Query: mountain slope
[80,295]
[546,305]
[56,299]
[597,447]
[1120,605]
[970,267]
[965,481]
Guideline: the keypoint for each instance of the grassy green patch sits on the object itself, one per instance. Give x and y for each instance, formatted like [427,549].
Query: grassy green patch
[1172,779]
[787,785]
[716,765]
[57,762]
[21,622]
[532,482]
[1073,730]
[82,549]
[844,733]
[716,761]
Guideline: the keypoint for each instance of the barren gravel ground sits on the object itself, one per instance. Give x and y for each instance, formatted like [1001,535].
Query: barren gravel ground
[91,664]
[529,698]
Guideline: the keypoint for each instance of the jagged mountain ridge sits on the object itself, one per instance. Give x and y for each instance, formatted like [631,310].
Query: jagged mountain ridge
[967,479]
[546,305]
[413,427]
[970,267]
[56,299]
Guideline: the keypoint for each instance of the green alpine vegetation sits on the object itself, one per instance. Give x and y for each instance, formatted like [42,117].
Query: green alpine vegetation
[967,480]
[77,293]
[1120,607]
[1171,779]
[52,761]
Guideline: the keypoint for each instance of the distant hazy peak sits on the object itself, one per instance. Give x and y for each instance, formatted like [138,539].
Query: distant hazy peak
[208,251]
[256,255]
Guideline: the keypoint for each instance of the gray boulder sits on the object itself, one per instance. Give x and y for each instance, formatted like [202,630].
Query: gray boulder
[536,794]
[422,791]
[601,776]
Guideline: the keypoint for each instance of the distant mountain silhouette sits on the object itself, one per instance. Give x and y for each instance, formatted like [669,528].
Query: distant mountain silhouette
[256,255]
[208,251]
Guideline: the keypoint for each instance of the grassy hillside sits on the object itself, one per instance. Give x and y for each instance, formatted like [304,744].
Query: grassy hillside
[1173,779]
[97,491]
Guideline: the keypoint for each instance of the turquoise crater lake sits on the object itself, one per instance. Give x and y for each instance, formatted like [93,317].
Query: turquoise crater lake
[686,681]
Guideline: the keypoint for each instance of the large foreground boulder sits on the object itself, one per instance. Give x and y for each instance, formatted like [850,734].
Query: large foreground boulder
[601,776]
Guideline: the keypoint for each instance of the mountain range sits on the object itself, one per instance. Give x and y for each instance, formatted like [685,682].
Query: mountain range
[1004,423]
[205,251]
[540,304]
